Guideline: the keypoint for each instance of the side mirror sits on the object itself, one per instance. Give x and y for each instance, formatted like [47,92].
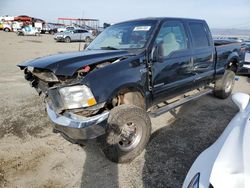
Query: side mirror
[157,53]
[241,100]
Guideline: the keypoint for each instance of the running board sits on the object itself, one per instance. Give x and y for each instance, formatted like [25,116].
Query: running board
[168,107]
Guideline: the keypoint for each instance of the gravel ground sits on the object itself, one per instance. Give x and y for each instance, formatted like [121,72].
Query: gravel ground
[32,156]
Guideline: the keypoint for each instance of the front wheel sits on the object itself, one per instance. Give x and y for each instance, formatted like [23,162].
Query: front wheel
[67,40]
[128,132]
[224,86]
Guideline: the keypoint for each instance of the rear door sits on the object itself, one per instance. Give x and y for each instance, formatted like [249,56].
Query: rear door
[203,51]
[84,34]
[174,74]
[77,34]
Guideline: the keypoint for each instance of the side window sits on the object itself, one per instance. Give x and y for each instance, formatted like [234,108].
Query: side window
[172,36]
[199,35]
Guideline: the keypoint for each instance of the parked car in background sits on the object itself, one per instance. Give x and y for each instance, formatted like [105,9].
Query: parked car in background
[68,28]
[245,69]
[28,30]
[74,35]
[226,162]
[49,28]
[88,28]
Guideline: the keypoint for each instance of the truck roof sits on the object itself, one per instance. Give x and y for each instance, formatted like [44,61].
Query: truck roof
[164,18]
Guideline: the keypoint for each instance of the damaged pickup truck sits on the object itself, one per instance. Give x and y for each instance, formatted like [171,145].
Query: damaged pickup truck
[129,72]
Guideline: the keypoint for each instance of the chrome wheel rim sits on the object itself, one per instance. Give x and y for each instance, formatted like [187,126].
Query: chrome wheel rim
[131,135]
[228,87]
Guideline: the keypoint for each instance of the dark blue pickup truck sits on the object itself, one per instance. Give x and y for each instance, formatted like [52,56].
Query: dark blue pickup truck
[131,71]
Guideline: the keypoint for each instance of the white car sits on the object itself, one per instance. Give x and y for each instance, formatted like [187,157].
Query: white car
[28,31]
[225,164]
[68,28]
[74,35]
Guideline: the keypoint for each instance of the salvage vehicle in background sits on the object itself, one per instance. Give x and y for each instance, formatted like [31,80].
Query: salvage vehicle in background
[68,28]
[226,162]
[74,35]
[28,30]
[49,28]
[130,71]
[245,69]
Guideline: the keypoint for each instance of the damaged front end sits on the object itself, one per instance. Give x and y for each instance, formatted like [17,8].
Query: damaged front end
[71,106]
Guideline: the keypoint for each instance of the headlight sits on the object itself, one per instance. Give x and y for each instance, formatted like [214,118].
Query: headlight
[77,97]
[194,183]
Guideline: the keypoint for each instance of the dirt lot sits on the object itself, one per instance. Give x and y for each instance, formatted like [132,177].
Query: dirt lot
[32,156]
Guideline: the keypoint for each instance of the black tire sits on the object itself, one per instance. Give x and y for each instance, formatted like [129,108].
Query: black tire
[67,40]
[19,33]
[88,39]
[233,67]
[224,86]
[115,147]
[51,32]
[6,29]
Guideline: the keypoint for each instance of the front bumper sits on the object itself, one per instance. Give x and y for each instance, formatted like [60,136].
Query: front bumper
[59,38]
[77,127]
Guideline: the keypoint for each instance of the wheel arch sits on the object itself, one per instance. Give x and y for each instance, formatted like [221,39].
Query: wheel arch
[127,91]
[233,61]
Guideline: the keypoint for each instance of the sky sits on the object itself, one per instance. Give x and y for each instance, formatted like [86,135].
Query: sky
[218,14]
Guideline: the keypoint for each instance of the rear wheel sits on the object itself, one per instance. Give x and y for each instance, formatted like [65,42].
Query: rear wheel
[224,86]
[128,132]
[6,29]
[51,32]
[67,40]
[87,39]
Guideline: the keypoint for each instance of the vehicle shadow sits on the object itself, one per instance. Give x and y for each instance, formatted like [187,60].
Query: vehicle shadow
[173,148]
[98,171]
[170,152]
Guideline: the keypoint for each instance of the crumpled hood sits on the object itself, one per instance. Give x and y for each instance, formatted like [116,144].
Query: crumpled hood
[67,64]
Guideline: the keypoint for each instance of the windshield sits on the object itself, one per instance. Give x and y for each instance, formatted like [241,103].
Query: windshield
[128,35]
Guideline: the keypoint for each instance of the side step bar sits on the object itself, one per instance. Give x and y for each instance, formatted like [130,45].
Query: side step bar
[178,103]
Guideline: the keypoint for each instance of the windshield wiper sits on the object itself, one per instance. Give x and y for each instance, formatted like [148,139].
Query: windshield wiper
[109,48]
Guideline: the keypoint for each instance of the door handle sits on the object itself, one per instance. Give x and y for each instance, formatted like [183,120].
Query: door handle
[201,67]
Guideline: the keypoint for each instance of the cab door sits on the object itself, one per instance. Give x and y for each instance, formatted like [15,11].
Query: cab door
[203,52]
[174,73]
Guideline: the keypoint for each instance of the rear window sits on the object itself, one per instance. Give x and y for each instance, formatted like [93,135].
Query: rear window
[199,35]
